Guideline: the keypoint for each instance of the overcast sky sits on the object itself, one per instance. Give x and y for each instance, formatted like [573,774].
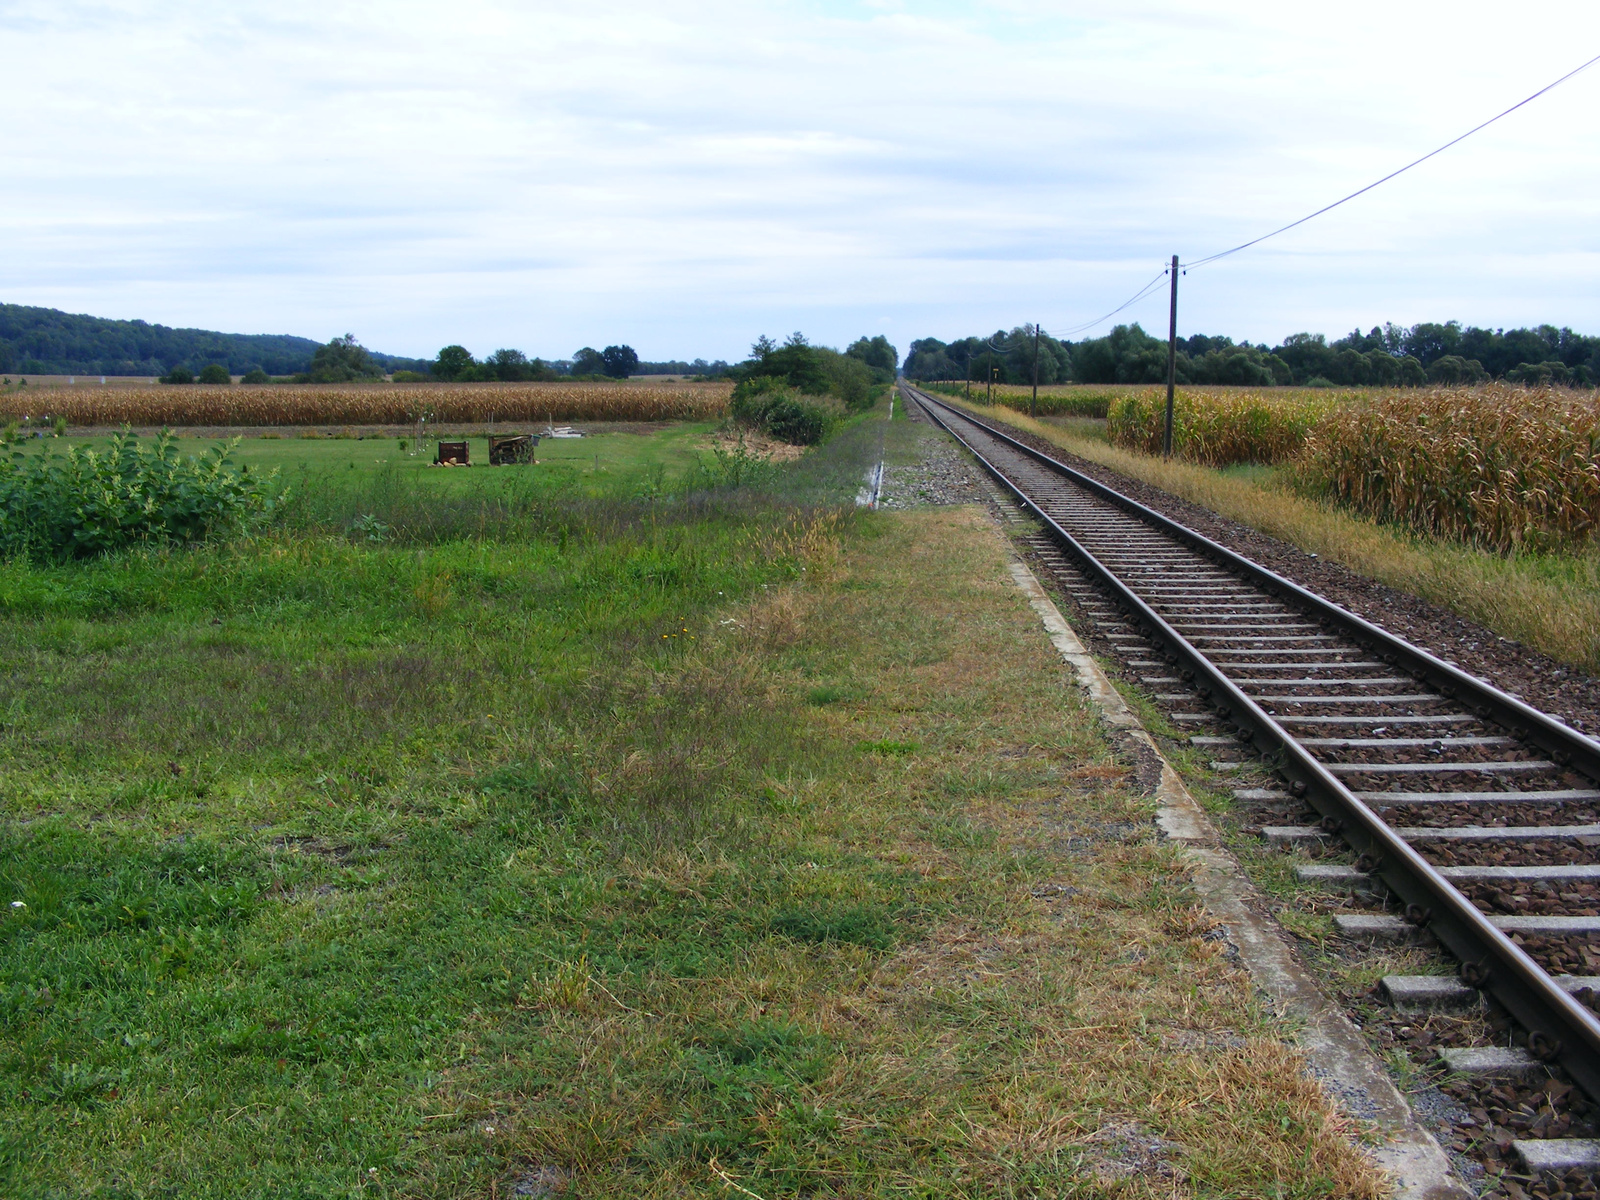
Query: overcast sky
[683,177]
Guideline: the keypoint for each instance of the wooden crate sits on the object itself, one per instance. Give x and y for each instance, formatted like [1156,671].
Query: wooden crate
[452,452]
[504,450]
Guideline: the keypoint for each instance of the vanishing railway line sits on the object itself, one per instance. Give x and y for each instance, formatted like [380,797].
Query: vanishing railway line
[1476,818]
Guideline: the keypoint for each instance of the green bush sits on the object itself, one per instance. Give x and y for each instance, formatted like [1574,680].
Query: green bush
[87,502]
[178,374]
[409,377]
[768,403]
[255,375]
[215,373]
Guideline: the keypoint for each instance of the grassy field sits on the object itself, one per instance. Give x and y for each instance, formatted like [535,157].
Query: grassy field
[1550,601]
[606,454]
[614,840]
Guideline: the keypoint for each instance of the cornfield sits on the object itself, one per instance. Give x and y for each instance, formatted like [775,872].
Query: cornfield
[1502,466]
[371,404]
[1223,427]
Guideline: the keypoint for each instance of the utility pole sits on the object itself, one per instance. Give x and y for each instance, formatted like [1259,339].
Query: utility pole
[1172,359]
[968,372]
[1033,404]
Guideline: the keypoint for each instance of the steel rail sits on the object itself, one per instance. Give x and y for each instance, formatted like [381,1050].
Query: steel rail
[1558,1027]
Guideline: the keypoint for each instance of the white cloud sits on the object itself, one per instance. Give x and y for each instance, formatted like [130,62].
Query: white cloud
[684,177]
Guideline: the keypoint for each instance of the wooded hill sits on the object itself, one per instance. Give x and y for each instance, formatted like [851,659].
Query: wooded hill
[46,341]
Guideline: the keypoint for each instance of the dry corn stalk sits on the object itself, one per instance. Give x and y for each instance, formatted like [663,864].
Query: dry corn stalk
[1503,466]
[369,404]
[1220,428]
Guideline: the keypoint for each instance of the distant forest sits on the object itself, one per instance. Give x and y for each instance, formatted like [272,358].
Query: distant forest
[1389,356]
[46,341]
[698,367]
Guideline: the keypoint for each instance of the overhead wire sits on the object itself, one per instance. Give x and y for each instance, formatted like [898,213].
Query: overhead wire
[1151,286]
[1392,174]
[1134,299]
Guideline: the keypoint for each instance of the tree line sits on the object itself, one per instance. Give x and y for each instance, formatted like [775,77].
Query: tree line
[345,360]
[1389,356]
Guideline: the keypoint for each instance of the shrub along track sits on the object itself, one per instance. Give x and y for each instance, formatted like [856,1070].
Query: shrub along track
[1476,818]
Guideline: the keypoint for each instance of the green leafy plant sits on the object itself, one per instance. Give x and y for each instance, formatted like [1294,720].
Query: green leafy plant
[367,527]
[86,502]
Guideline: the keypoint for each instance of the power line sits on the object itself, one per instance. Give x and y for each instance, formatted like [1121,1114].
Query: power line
[1150,287]
[1136,297]
[1257,241]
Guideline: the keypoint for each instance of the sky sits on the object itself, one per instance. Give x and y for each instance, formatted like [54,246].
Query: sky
[686,177]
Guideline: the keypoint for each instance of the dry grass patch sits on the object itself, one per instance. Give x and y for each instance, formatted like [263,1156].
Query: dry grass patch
[755,443]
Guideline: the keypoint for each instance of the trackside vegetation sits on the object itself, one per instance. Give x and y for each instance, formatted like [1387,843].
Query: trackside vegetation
[641,833]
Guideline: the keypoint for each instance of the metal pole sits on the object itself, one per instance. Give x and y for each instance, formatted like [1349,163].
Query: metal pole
[1033,404]
[1172,359]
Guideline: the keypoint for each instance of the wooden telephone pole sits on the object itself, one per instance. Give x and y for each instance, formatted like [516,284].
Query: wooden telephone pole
[1033,404]
[1172,359]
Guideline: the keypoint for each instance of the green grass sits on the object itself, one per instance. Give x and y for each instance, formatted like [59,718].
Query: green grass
[594,463]
[656,840]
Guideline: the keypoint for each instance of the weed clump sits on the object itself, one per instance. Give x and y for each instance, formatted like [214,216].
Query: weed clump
[83,503]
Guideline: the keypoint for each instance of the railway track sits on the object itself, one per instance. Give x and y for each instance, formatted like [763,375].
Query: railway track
[1474,818]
